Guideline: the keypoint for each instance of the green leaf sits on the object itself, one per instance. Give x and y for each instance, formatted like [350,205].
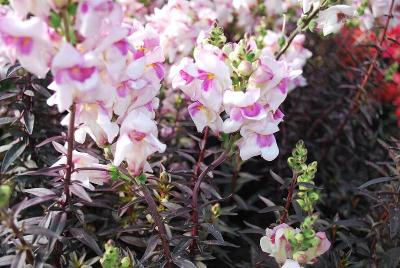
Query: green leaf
[55,20]
[15,151]
[72,8]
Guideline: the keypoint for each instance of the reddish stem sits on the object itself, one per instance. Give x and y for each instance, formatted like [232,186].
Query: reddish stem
[195,197]
[289,198]
[201,154]
[70,164]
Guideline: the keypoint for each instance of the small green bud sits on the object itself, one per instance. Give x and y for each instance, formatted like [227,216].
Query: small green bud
[281,41]
[299,237]
[308,234]
[126,262]
[55,20]
[314,196]
[312,26]
[5,194]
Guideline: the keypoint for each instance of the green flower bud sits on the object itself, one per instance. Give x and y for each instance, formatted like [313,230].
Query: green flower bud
[5,194]
[299,237]
[126,262]
[308,234]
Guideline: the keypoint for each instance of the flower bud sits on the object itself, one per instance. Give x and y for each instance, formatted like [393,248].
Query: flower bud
[245,68]
[5,194]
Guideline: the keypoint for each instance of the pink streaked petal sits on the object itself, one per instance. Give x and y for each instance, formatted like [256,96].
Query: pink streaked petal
[84,7]
[185,76]
[159,69]
[151,42]
[122,90]
[139,53]
[203,75]
[105,7]
[194,108]
[80,73]
[149,106]
[8,40]
[236,114]
[252,110]
[136,135]
[283,85]
[207,84]
[278,115]
[123,46]
[24,45]
[265,140]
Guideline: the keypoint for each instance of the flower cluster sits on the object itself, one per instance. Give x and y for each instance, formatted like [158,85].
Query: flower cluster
[294,247]
[106,72]
[237,79]
[179,22]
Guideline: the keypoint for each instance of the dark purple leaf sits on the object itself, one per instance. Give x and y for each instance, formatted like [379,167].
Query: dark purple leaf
[6,120]
[39,191]
[377,180]
[394,221]
[51,171]
[218,243]
[37,230]
[271,209]
[151,246]
[6,260]
[51,139]
[19,260]
[29,121]
[26,203]
[213,231]
[183,263]
[13,153]
[80,192]
[86,239]
[135,241]
[41,89]
[276,177]
[8,95]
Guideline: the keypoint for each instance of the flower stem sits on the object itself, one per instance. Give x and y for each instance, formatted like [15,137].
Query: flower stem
[69,168]
[289,198]
[195,197]
[298,30]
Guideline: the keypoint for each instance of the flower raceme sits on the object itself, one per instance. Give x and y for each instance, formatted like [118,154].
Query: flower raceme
[242,84]
[108,69]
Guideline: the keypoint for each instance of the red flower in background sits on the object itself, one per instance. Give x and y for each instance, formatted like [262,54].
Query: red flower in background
[355,50]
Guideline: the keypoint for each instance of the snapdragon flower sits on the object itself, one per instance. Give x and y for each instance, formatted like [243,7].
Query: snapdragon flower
[27,41]
[333,18]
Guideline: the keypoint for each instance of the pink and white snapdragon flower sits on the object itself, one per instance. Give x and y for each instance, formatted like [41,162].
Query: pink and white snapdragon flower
[27,41]
[204,80]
